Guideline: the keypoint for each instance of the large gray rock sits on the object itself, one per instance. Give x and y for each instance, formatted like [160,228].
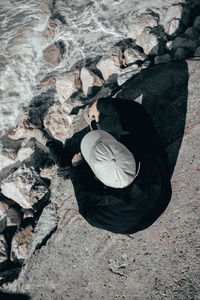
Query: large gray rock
[162,59]
[24,186]
[89,81]
[132,55]
[197,52]
[109,66]
[67,84]
[197,22]
[150,43]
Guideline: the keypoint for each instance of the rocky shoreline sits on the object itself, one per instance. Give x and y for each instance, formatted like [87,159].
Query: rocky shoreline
[30,210]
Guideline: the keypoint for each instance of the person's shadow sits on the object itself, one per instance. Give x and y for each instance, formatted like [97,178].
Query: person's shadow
[163,89]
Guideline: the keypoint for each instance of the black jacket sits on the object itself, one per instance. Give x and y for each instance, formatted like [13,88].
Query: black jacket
[136,207]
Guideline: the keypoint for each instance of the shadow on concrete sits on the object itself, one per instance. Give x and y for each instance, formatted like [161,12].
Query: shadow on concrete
[13,296]
[164,90]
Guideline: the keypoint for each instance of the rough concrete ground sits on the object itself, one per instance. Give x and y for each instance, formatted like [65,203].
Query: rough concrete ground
[162,262]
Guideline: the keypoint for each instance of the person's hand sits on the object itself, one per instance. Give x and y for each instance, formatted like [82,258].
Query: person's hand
[76,159]
[93,112]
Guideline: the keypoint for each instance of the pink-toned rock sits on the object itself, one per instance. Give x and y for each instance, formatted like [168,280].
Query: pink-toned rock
[48,172]
[150,43]
[23,128]
[3,249]
[50,29]
[132,55]
[140,23]
[109,66]
[67,84]
[52,55]
[13,217]
[24,186]
[21,243]
[89,80]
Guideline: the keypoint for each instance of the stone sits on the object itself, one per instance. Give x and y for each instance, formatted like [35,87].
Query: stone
[192,33]
[172,27]
[52,55]
[132,55]
[197,22]
[3,249]
[127,73]
[24,186]
[197,52]
[46,224]
[181,54]
[13,217]
[169,45]
[109,66]
[22,128]
[67,84]
[162,59]
[27,213]
[185,42]
[140,23]
[48,172]
[24,153]
[3,216]
[150,43]
[21,243]
[51,26]
[58,119]
[5,161]
[89,80]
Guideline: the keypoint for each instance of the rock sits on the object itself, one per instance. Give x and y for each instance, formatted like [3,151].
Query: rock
[24,153]
[24,186]
[3,249]
[150,43]
[3,216]
[127,73]
[67,84]
[140,23]
[184,42]
[172,20]
[13,217]
[5,161]
[28,213]
[169,45]
[58,120]
[52,55]
[51,27]
[132,55]
[46,224]
[181,53]
[109,66]
[162,59]
[192,33]
[23,127]
[89,80]
[197,52]
[21,243]
[197,22]
[48,172]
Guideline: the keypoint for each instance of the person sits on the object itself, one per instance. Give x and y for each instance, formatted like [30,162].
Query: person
[129,125]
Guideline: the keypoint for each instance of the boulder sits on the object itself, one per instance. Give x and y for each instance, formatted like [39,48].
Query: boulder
[51,26]
[197,52]
[45,226]
[192,33]
[128,72]
[23,127]
[138,25]
[3,249]
[181,54]
[24,153]
[21,243]
[89,81]
[197,22]
[109,66]
[132,55]
[162,59]
[67,84]
[150,43]
[52,55]
[24,186]
[185,42]
[13,217]
[5,161]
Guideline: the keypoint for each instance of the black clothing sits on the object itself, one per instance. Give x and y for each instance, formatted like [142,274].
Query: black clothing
[137,206]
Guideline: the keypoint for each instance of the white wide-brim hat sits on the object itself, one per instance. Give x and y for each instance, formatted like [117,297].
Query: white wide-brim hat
[112,163]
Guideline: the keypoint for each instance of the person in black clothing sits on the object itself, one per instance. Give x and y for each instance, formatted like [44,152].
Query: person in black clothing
[120,209]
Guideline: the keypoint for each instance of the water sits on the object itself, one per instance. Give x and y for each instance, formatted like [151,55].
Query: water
[89,29]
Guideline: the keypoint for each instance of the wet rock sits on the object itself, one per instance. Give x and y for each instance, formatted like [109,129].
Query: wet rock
[45,226]
[162,59]
[140,23]
[50,29]
[13,217]
[24,186]
[172,20]
[89,81]
[181,53]
[150,43]
[52,55]
[67,84]
[197,22]
[109,66]
[132,55]
[21,243]
[58,120]
[197,52]
[3,249]
[3,216]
